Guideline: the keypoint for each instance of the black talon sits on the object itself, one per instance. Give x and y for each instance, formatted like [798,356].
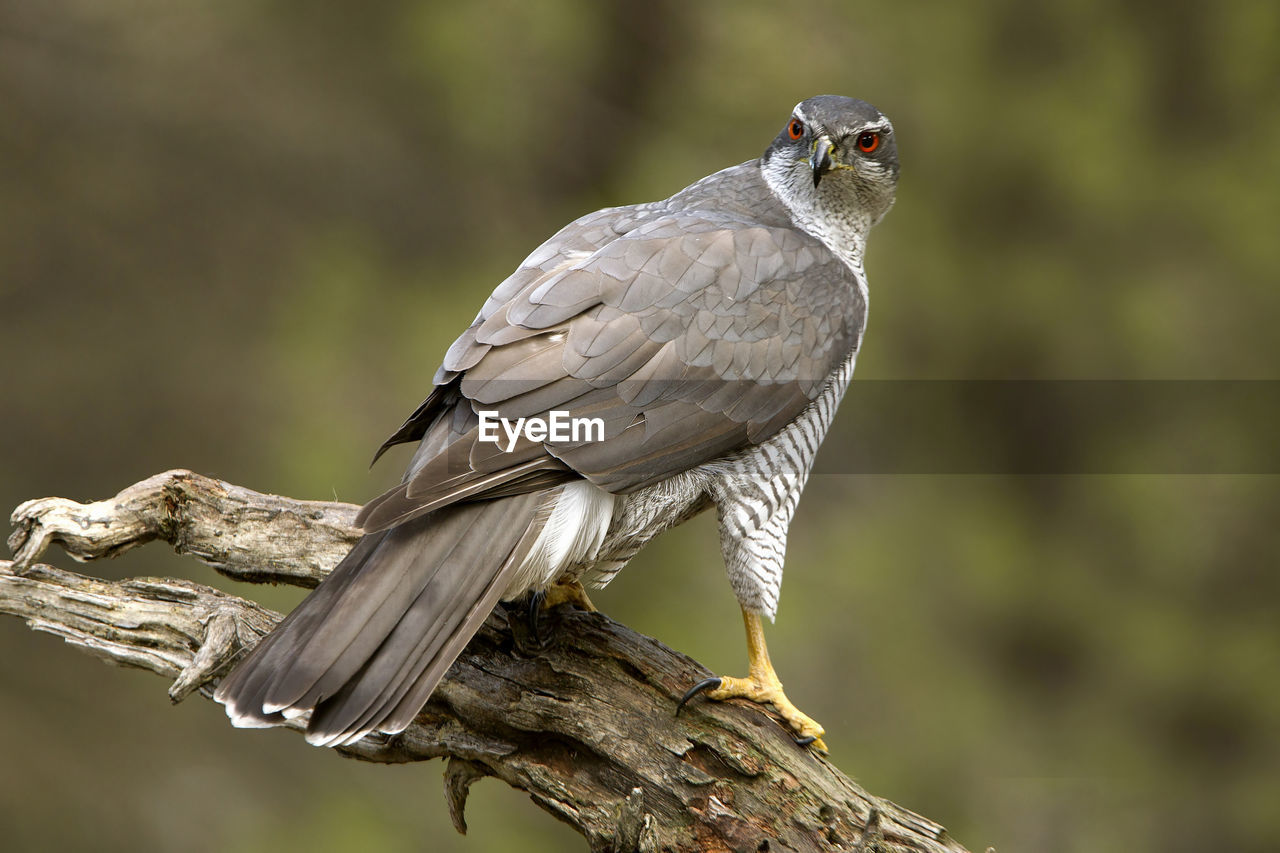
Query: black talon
[805,741]
[705,684]
[532,618]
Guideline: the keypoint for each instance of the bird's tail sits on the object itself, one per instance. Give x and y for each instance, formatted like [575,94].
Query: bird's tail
[365,650]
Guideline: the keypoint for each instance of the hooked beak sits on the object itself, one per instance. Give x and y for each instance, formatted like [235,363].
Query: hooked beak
[820,158]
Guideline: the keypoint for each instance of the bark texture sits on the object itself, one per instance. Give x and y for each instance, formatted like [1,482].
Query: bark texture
[584,723]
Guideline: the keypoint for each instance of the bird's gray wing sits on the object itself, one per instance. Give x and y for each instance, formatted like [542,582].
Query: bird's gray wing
[577,240]
[689,334]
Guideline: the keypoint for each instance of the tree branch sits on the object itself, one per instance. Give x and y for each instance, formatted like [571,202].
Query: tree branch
[585,725]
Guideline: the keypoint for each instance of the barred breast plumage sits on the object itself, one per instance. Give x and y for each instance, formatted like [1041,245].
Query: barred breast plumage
[755,491]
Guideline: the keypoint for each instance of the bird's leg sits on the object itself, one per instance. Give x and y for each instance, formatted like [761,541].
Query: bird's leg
[567,592]
[762,686]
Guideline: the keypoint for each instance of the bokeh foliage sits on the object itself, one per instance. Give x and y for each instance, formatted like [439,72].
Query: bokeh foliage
[237,237]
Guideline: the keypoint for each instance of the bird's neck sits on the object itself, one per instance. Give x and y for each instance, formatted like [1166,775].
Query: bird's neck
[842,228]
[832,219]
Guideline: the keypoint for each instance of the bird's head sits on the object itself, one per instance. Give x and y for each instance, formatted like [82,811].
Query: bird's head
[835,157]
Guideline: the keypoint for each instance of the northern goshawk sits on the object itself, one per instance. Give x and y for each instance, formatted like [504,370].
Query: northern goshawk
[712,335]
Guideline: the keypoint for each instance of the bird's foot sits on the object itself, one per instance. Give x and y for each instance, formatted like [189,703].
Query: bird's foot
[569,592]
[762,688]
[541,601]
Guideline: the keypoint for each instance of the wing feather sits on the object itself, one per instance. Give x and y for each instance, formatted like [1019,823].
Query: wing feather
[690,332]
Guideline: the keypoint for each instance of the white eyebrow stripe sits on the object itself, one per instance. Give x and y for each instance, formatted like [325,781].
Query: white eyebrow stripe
[878,126]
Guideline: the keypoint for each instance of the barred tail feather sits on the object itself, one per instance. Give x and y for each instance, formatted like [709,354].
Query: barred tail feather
[366,649]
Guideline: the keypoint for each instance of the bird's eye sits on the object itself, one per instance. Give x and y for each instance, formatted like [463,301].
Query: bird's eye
[795,129]
[868,142]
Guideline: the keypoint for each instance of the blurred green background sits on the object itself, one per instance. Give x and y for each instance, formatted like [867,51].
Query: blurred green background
[237,237]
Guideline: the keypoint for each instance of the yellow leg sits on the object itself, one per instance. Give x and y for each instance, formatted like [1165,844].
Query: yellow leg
[570,592]
[762,685]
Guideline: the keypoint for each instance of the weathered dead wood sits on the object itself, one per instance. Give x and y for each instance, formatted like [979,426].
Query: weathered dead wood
[585,725]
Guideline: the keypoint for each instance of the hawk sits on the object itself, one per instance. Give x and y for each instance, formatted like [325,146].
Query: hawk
[711,336]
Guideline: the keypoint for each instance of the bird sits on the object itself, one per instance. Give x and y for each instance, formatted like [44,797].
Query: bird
[708,338]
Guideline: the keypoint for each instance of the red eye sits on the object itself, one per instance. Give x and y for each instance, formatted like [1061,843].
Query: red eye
[868,142]
[795,129]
